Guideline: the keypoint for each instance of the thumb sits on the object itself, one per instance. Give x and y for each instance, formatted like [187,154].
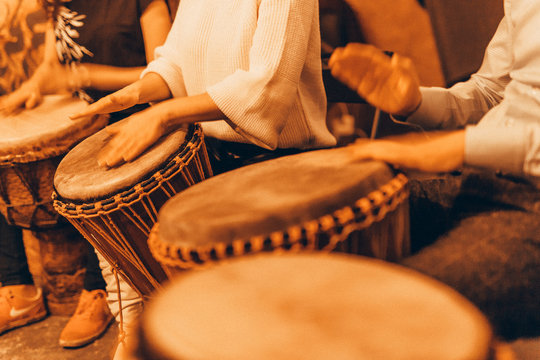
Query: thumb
[33,100]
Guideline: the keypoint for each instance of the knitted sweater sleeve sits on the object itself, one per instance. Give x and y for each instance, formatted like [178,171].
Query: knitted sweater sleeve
[256,101]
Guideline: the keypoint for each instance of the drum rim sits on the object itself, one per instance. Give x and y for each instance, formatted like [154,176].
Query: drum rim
[366,210]
[144,347]
[175,163]
[62,144]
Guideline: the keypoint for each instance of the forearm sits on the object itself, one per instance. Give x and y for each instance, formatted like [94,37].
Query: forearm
[178,111]
[106,78]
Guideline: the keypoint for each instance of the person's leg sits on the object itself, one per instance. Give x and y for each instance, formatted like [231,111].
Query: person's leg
[490,250]
[92,316]
[20,302]
[13,263]
[493,259]
[125,303]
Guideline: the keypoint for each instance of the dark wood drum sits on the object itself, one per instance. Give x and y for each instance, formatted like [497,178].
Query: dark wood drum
[313,201]
[116,208]
[312,307]
[32,143]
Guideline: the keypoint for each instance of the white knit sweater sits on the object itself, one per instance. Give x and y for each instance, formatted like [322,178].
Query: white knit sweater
[259,60]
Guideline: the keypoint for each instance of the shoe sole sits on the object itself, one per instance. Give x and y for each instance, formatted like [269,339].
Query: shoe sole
[87,340]
[24,321]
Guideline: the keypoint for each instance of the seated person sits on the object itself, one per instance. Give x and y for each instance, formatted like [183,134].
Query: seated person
[254,83]
[491,250]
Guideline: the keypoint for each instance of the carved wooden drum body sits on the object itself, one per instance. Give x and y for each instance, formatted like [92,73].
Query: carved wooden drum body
[312,307]
[313,201]
[116,208]
[32,144]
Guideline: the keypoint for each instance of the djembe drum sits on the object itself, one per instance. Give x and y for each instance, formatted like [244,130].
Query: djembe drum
[32,144]
[311,306]
[116,208]
[313,201]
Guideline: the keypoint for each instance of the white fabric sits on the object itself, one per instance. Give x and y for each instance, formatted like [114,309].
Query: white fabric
[500,104]
[259,60]
[132,303]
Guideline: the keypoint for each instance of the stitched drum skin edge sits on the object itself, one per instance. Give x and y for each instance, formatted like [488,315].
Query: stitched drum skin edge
[62,145]
[194,141]
[369,209]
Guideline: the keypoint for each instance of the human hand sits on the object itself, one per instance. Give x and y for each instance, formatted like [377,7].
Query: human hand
[390,84]
[437,152]
[27,96]
[50,78]
[130,138]
[120,100]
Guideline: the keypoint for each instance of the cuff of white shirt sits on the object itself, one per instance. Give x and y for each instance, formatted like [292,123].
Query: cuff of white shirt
[428,114]
[170,73]
[495,147]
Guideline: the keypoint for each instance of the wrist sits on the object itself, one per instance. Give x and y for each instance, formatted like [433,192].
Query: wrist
[403,115]
[78,77]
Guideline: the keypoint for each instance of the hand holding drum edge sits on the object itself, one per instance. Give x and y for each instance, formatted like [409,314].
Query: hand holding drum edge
[390,84]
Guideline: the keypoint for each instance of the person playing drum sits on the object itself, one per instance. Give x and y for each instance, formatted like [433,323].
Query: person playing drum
[101,46]
[493,254]
[254,82]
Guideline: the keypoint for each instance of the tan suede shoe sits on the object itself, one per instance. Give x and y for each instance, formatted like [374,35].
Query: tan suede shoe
[89,321]
[20,305]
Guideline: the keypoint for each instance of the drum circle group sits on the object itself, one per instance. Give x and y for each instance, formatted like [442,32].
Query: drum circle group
[164,214]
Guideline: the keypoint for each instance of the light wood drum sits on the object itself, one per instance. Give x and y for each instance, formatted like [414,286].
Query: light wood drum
[312,307]
[32,143]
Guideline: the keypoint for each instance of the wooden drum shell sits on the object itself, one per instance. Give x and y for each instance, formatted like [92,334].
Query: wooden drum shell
[119,226]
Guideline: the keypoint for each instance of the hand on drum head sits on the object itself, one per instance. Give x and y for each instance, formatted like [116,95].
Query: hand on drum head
[428,152]
[390,84]
[27,96]
[120,100]
[130,138]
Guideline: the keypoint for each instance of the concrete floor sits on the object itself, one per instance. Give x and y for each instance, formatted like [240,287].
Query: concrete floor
[39,341]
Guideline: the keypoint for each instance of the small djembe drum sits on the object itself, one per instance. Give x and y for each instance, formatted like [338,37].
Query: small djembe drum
[314,201]
[32,143]
[116,208]
[312,307]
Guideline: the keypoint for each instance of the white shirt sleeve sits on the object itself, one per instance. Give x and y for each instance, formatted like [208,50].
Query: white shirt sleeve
[256,101]
[500,115]
[467,102]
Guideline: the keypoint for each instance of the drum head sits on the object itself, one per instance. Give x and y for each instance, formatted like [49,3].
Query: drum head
[80,178]
[45,131]
[313,307]
[269,196]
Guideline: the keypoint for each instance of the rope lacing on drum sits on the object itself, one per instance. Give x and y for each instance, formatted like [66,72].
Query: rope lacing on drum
[322,234]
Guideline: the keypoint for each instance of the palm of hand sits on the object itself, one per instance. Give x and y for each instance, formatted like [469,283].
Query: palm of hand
[130,139]
[390,84]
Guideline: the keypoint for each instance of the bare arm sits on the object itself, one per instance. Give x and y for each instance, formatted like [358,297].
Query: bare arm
[51,77]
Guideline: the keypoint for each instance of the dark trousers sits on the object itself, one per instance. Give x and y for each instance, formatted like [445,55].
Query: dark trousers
[14,265]
[480,233]
[225,156]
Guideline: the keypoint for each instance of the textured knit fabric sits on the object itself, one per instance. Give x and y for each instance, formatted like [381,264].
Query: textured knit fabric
[259,60]
[480,234]
[502,98]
